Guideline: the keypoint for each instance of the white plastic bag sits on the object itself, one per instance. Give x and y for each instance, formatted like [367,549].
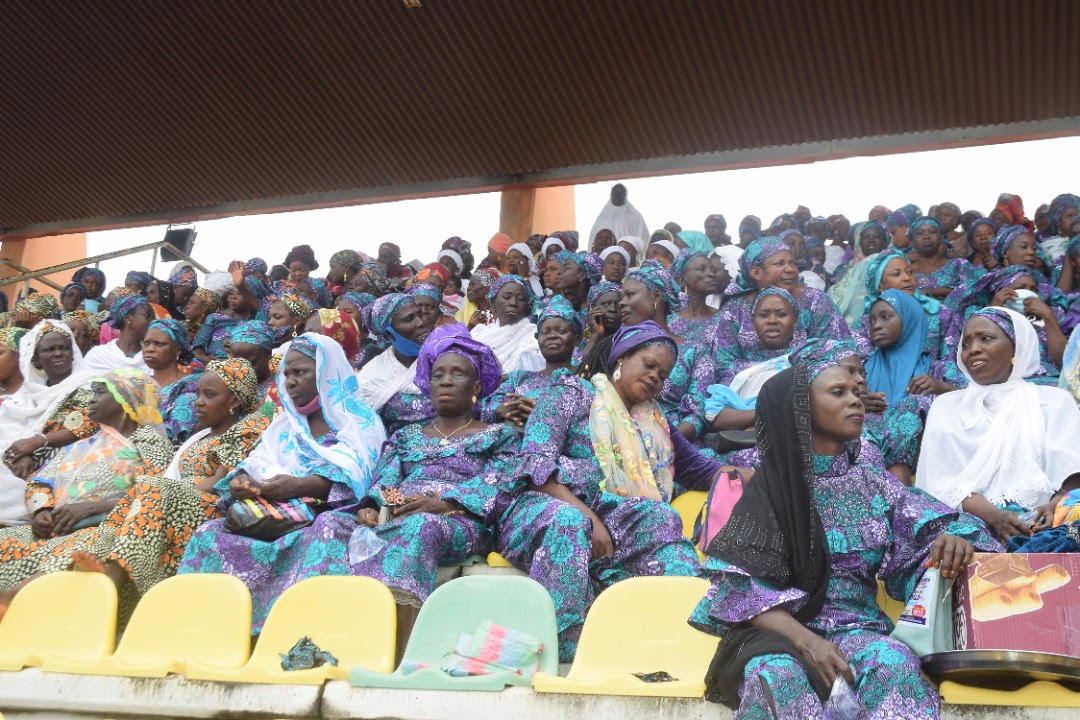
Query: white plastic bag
[843,703]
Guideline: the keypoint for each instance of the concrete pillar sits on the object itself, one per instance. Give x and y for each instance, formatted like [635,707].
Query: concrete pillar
[40,252]
[525,211]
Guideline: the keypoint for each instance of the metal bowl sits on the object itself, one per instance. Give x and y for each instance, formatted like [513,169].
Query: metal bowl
[995,665]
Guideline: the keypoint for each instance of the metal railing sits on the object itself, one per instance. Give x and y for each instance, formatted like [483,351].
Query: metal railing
[39,275]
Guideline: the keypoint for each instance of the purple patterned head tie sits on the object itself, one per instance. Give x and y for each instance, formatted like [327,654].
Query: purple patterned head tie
[820,354]
[504,280]
[455,338]
[631,337]
[590,264]
[1004,239]
[1000,318]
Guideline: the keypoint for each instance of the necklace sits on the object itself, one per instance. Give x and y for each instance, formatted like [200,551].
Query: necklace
[446,436]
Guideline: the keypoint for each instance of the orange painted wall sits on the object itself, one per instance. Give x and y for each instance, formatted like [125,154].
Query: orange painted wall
[41,252]
[525,211]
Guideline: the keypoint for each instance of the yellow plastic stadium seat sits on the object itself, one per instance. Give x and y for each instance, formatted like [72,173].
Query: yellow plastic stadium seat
[353,618]
[202,618]
[1040,693]
[689,505]
[639,626]
[63,615]
[496,560]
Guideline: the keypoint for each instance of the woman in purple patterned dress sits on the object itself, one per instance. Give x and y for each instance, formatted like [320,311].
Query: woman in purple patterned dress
[440,484]
[564,529]
[794,571]
[768,261]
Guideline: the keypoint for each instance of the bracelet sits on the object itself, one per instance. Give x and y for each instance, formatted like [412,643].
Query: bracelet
[44,437]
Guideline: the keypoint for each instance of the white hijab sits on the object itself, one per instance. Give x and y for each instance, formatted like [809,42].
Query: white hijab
[25,413]
[620,220]
[287,445]
[1009,442]
[383,378]
[105,358]
[514,345]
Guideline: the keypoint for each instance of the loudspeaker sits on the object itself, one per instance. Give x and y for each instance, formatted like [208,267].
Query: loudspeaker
[180,238]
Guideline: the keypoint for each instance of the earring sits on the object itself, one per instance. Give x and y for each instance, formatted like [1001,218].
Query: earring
[617,375]
[474,399]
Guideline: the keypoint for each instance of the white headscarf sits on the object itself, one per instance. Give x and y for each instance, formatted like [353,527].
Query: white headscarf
[25,413]
[105,358]
[667,245]
[514,345]
[384,377]
[1009,442]
[551,242]
[639,245]
[453,255]
[527,252]
[288,447]
[615,249]
[621,220]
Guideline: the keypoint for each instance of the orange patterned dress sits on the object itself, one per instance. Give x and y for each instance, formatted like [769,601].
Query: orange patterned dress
[149,526]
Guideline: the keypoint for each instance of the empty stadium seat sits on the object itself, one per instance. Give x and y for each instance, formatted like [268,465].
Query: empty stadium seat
[689,505]
[639,626]
[354,618]
[203,618]
[59,616]
[457,608]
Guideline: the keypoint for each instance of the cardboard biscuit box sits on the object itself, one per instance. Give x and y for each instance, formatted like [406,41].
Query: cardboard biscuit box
[1019,601]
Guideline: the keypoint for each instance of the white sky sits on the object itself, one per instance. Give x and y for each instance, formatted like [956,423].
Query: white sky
[970,177]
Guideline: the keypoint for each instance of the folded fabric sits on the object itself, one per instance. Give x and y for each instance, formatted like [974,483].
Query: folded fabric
[1064,539]
[722,397]
[1068,509]
[305,655]
[493,649]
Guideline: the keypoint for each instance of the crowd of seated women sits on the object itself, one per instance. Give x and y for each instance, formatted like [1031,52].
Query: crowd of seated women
[891,395]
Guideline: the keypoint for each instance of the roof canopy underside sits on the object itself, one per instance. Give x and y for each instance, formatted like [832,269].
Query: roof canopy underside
[148,110]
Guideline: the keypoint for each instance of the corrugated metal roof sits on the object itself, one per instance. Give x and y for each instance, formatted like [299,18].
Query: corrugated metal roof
[132,108]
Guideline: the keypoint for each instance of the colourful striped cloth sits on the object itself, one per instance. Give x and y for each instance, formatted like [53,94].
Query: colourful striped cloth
[491,649]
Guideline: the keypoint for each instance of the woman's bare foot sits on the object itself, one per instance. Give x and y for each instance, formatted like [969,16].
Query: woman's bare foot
[82,561]
[5,601]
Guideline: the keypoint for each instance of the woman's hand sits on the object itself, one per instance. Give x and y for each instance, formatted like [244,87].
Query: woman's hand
[1035,306]
[951,554]
[516,409]
[1044,516]
[24,467]
[236,270]
[368,517]
[938,292]
[22,319]
[1007,524]
[603,546]
[875,403]
[243,487]
[1003,296]
[22,448]
[596,322]
[66,517]
[926,385]
[42,523]
[423,504]
[826,657]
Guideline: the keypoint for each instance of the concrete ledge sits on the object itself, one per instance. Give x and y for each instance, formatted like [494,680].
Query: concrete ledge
[173,696]
[36,695]
[341,700]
